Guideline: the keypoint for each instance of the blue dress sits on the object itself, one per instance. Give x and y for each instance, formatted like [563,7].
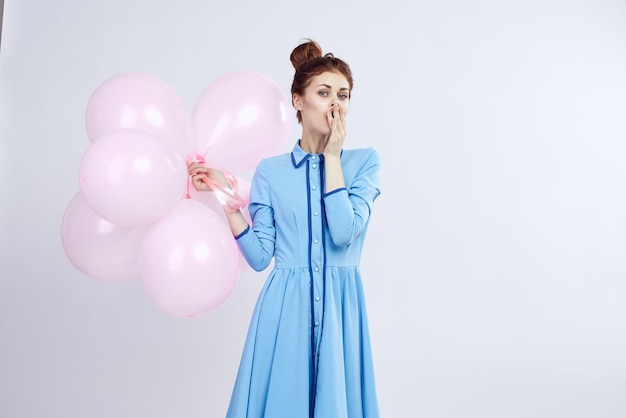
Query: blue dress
[307,352]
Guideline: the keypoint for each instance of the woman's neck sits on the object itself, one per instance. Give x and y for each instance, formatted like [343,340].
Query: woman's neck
[312,144]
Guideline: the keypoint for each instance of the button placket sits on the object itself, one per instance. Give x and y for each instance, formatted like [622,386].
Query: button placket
[317,250]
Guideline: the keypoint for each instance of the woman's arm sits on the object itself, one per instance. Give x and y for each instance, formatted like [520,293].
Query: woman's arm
[348,209]
[256,244]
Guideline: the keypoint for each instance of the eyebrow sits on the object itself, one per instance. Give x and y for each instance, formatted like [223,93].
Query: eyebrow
[329,86]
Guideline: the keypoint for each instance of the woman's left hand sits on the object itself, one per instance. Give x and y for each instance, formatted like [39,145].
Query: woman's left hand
[337,123]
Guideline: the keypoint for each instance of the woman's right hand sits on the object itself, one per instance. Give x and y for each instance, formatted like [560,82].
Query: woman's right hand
[200,174]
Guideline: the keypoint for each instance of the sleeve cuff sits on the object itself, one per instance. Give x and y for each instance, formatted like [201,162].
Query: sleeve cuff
[333,192]
[244,232]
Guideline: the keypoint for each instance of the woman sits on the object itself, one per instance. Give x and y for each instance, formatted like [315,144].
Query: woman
[307,352]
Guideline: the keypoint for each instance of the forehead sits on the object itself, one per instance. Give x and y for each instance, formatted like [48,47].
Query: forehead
[332,79]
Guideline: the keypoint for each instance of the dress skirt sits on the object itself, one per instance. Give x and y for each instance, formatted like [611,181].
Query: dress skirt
[278,370]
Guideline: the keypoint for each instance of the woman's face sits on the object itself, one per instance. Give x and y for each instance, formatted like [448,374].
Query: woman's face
[327,90]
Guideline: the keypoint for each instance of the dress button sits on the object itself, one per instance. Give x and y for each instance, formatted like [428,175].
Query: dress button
[314,166]
[316,269]
[313,157]
[316,213]
[317,298]
[315,241]
[317,323]
[314,187]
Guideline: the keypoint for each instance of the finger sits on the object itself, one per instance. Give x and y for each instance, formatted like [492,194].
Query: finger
[213,171]
[198,176]
[342,120]
[342,129]
[193,166]
[337,112]
[199,169]
[329,116]
[342,114]
[338,116]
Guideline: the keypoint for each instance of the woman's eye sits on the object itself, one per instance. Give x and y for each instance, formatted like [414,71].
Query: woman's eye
[323,93]
[343,96]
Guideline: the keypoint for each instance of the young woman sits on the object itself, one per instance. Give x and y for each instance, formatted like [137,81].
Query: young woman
[307,353]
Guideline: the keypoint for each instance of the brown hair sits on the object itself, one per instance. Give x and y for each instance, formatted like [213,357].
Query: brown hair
[309,62]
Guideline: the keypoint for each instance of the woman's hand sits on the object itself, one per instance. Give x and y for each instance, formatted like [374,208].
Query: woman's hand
[200,174]
[337,123]
[332,148]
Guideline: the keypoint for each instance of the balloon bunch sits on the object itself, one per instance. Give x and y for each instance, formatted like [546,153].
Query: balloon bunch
[136,215]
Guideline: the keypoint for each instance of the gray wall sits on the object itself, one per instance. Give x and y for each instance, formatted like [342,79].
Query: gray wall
[495,268]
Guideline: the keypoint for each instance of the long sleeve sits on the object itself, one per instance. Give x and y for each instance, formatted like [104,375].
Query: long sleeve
[348,210]
[257,242]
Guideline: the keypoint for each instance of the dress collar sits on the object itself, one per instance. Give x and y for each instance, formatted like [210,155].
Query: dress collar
[299,156]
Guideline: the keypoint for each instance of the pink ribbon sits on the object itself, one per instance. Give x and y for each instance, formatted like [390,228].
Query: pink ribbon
[228,196]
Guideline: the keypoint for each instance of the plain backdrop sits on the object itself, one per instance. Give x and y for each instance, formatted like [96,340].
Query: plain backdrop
[495,267]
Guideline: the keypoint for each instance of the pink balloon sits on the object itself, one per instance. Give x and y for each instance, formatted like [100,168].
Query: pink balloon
[189,262]
[98,248]
[239,119]
[131,179]
[143,102]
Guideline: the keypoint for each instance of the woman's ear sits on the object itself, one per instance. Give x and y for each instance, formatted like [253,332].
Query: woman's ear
[297,101]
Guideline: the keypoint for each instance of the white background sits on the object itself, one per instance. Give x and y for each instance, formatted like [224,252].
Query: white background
[495,269]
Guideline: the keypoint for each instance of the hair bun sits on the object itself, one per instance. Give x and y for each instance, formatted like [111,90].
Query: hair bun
[304,53]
